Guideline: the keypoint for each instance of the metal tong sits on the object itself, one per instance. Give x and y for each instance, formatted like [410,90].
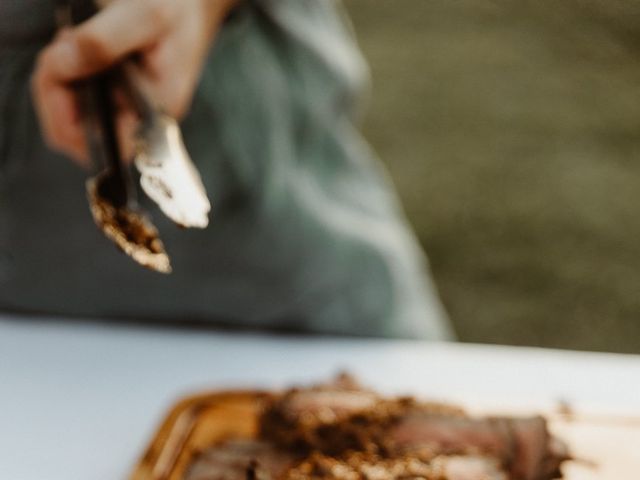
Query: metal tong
[167,174]
[110,193]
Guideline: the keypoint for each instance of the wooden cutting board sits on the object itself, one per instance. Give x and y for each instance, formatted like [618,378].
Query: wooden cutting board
[608,448]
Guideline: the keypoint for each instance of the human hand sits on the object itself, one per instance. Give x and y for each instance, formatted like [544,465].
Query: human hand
[170,39]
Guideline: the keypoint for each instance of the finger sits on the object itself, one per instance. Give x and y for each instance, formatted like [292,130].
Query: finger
[121,28]
[177,94]
[175,73]
[57,110]
[175,64]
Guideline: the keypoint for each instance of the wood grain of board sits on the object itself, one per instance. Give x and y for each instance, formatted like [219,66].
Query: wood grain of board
[606,448]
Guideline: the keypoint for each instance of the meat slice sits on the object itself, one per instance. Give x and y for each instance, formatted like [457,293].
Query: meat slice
[254,460]
[297,418]
[358,466]
[240,460]
[322,404]
[523,445]
[326,405]
[340,431]
[448,434]
[334,419]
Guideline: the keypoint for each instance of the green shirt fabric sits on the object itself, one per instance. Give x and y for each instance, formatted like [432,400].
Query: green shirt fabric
[306,232]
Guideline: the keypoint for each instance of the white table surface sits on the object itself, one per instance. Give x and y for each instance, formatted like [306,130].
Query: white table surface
[80,401]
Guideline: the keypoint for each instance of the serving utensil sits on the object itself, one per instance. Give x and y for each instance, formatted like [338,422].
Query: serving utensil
[110,192]
[111,197]
[167,174]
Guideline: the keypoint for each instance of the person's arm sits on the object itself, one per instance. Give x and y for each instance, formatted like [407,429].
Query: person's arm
[171,38]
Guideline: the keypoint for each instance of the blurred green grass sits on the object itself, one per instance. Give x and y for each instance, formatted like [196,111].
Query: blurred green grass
[512,131]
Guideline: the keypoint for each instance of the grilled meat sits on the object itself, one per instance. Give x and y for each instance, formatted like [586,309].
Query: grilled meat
[341,431]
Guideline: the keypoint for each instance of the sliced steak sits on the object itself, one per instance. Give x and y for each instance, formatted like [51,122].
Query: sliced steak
[238,459]
[334,418]
[523,445]
[447,434]
[296,419]
[358,466]
[340,431]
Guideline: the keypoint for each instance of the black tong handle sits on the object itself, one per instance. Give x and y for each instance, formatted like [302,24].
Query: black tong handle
[96,103]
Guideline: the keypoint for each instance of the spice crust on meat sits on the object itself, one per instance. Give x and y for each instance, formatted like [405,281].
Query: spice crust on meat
[341,431]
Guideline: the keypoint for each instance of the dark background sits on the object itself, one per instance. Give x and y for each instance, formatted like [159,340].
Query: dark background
[512,131]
